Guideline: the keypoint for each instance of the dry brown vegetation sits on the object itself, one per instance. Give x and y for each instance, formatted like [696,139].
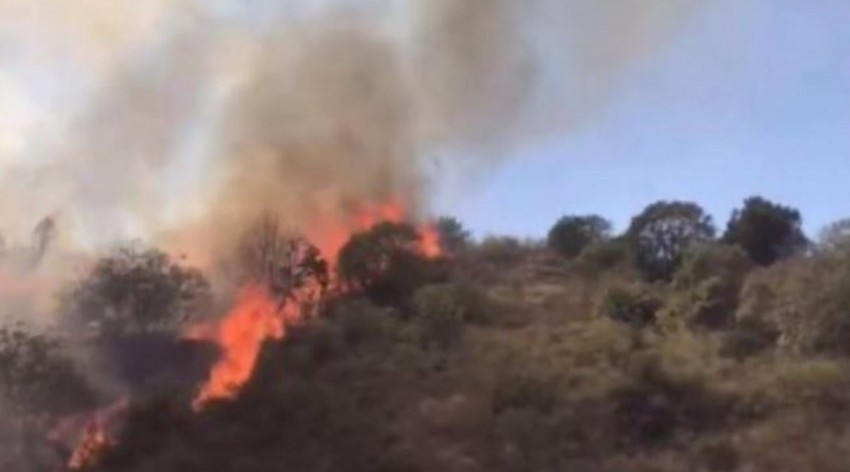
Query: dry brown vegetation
[511,357]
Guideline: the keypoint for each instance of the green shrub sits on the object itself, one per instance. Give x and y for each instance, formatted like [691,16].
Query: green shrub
[501,251]
[748,337]
[439,315]
[657,408]
[807,299]
[820,382]
[793,442]
[711,304]
[604,256]
[363,323]
[525,391]
[634,305]
[709,261]
[707,285]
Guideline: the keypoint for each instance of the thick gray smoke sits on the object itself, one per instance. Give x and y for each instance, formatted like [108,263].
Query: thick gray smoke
[198,115]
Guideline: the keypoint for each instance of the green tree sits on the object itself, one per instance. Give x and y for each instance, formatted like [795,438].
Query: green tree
[135,290]
[454,238]
[386,262]
[663,232]
[767,231]
[572,234]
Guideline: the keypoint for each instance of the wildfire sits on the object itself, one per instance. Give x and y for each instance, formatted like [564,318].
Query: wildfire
[93,443]
[94,439]
[430,243]
[255,318]
[258,316]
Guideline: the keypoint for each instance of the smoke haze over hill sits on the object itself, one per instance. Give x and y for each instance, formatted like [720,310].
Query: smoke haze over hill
[180,113]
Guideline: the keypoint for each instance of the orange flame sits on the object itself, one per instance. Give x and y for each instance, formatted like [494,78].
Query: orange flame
[90,448]
[430,243]
[94,438]
[257,316]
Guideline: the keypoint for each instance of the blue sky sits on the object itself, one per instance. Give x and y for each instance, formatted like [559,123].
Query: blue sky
[746,98]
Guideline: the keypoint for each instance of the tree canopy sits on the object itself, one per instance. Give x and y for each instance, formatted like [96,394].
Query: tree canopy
[134,290]
[385,262]
[572,234]
[662,233]
[453,236]
[767,231]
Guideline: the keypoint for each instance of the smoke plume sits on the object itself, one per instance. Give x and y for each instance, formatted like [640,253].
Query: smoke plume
[191,117]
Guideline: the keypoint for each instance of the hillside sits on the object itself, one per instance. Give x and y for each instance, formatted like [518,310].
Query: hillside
[507,356]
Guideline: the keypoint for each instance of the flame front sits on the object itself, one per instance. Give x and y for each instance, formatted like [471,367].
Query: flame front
[255,318]
[258,316]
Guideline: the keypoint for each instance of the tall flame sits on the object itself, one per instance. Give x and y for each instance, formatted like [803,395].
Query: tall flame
[257,316]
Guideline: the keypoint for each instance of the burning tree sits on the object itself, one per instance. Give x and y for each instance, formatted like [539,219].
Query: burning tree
[283,262]
[387,262]
[285,276]
[281,274]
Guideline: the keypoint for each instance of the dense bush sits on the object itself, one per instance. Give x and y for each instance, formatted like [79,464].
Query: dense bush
[806,299]
[439,316]
[501,251]
[713,261]
[572,234]
[656,408]
[605,255]
[715,363]
[635,305]
[708,284]
[749,336]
